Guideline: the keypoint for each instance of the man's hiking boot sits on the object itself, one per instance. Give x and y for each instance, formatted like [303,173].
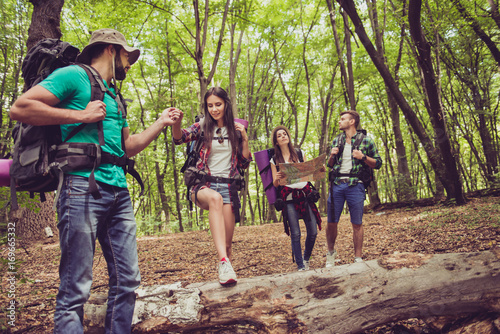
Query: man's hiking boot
[227,276]
[330,259]
[306,264]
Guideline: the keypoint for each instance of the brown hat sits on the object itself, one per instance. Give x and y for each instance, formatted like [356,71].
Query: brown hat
[280,127]
[108,36]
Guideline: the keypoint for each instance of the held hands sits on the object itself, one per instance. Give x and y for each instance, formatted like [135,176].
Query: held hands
[172,116]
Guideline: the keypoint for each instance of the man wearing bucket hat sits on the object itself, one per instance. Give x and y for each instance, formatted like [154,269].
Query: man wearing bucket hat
[63,98]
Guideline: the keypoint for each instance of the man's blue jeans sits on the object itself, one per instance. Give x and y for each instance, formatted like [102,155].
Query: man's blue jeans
[82,219]
[311,229]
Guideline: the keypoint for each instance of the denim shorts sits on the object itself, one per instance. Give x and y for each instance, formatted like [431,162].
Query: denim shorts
[355,198]
[223,189]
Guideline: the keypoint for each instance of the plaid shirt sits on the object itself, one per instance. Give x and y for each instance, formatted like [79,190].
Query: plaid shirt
[368,148]
[237,160]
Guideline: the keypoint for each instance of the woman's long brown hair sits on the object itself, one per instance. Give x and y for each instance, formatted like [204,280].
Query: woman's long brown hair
[210,124]
[277,150]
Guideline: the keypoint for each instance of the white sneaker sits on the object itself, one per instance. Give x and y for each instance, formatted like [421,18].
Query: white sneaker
[358,260]
[330,259]
[306,264]
[226,272]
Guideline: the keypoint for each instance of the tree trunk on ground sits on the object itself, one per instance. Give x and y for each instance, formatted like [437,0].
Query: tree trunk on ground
[344,299]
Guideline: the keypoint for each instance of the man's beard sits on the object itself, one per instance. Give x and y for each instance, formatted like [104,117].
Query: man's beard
[120,73]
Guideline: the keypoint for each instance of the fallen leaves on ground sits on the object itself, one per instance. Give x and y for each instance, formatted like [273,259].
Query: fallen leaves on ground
[257,250]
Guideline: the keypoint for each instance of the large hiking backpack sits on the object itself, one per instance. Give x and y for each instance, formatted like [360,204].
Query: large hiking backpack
[365,174]
[40,157]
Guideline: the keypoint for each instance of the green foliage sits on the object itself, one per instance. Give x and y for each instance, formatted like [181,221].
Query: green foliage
[279,39]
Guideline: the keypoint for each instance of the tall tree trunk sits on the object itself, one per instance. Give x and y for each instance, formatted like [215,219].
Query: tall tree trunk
[45,23]
[451,179]
[174,161]
[432,154]
[404,190]
[349,95]
[326,100]
[348,53]
[495,15]
[201,38]
[234,56]
[495,52]
[305,36]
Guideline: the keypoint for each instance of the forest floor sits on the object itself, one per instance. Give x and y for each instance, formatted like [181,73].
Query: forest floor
[258,250]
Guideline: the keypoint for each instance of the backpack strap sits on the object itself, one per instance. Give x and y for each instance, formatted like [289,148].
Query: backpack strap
[97,92]
[361,134]
[300,154]
[98,89]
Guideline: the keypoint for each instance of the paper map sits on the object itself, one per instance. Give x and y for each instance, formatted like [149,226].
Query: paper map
[307,171]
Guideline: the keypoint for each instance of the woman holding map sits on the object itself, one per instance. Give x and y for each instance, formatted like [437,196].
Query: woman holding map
[297,199]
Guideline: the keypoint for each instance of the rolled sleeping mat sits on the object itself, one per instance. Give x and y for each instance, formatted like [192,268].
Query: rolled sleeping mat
[4,172]
[266,175]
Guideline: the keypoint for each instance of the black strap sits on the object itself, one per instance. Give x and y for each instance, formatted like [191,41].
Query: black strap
[99,89]
[360,136]
[133,172]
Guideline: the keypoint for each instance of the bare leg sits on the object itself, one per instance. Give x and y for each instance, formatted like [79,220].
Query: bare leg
[357,237]
[331,235]
[211,200]
[227,211]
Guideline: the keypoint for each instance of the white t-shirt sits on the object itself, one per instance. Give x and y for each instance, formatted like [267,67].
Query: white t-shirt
[346,166]
[219,161]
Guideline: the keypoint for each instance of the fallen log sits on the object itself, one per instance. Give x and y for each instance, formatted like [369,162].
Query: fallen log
[343,299]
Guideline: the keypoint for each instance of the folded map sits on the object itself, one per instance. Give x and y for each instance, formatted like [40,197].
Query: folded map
[307,171]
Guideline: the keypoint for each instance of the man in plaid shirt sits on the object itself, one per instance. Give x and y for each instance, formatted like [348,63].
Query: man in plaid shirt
[346,185]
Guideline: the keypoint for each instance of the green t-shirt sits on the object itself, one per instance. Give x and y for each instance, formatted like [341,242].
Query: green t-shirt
[71,85]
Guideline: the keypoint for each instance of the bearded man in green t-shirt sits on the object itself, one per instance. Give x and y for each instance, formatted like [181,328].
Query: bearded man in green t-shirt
[63,99]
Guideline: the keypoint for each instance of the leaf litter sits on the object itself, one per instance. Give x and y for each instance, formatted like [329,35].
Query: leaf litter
[258,250]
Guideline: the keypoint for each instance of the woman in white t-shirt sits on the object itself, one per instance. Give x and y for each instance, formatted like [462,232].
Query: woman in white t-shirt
[295,197]
[222,153]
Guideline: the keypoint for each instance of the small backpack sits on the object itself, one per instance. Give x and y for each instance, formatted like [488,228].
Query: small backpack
[40,157]
[193,176]
[365,173]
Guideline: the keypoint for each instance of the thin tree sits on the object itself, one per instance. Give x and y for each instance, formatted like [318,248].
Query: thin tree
[433,155]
